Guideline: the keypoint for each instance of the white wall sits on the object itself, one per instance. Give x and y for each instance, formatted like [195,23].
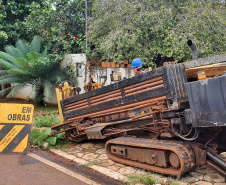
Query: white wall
[74,59]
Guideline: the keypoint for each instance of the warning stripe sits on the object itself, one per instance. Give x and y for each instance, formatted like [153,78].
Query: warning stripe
[10,136]
[22,146]
[1,126]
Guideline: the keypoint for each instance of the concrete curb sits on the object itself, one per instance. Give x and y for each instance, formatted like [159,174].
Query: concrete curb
[100,169]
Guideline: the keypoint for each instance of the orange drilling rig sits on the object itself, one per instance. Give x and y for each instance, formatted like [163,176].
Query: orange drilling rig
[163,120]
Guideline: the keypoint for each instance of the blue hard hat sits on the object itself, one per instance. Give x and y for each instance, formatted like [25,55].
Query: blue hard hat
[136,63]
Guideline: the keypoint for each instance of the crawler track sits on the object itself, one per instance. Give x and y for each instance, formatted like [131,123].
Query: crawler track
[161,156]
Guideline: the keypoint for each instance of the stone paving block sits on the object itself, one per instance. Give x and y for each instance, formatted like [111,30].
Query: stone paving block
[113,167]
[203,170]
[201,183]
[103,157]
[127,170]
[87,145]
[66,147]
[89,150]
[101,151]
[120,165]
[215,177]
[220,183]
[89,156]
[108,162]
[74,149]
[99,145]
[80,155]
[193,177]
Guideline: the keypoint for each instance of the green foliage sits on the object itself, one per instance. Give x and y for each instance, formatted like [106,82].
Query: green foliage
[12,17]
[58,23]
[27,67]
[156,30]
[47,120]
[46,140]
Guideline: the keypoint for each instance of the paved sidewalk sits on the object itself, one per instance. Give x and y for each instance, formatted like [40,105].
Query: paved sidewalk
[92,154]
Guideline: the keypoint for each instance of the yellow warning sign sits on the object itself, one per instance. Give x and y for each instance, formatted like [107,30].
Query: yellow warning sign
[16,113]
[15,127]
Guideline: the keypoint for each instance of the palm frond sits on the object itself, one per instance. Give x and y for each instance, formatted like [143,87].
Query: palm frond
[9,80]
[7,65]
[21,63]
[44,53]
[36,44]
[33,55]
[5,91]
[19,72]
[7,57]
[15,52]
[23,46]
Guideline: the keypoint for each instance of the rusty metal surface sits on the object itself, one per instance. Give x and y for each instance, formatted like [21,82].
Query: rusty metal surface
[200,153]
[174,160]
[183,151]
[214,167]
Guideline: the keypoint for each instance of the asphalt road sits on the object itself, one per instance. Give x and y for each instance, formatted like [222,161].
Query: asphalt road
[44,168]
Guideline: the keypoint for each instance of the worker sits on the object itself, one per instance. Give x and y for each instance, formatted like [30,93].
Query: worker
[136,65]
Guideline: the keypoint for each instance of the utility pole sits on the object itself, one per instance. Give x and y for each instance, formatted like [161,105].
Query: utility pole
[87,14]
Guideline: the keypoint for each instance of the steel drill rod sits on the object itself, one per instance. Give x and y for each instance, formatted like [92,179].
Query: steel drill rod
[76,103]
[105,94]
[106,97]
[143,83]
[144,90]
[144,86]
[77,106]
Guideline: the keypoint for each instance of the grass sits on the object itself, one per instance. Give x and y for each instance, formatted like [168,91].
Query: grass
[146,180]
[47,120]
[94,162]
[174,183]
[48,108]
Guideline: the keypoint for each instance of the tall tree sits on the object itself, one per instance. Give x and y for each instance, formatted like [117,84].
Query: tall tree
[12,17]
[59,23]
[157,30]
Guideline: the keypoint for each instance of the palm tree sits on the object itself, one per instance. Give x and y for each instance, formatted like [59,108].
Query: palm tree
[25,64]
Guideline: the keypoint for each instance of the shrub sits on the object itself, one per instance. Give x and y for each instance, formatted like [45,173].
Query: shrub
[47,120]
[45,139]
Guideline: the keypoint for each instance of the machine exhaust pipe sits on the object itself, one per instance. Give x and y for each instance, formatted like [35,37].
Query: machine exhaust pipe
[194,49]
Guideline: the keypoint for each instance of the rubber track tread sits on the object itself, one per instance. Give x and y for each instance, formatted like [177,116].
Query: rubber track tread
[183,150]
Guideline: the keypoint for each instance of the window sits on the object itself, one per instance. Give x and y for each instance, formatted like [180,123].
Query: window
[79,69]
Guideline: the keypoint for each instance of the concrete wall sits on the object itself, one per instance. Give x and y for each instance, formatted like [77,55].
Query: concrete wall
[77,59]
